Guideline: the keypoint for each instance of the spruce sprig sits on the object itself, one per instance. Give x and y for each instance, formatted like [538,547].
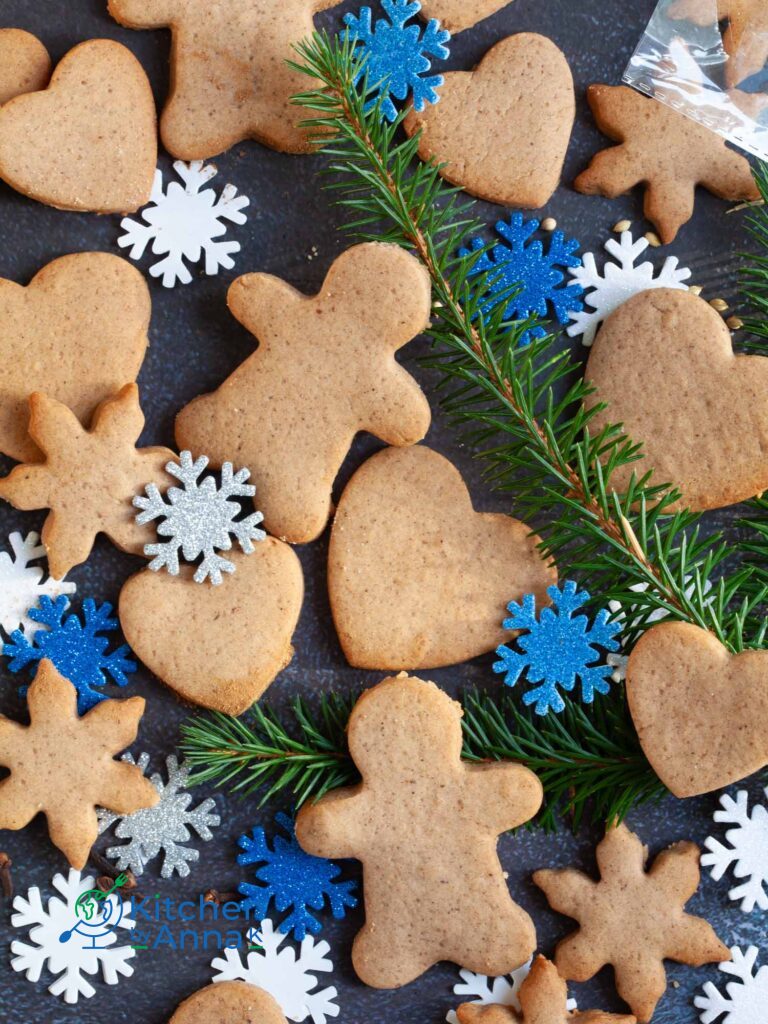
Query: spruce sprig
[523,406]
[754,274]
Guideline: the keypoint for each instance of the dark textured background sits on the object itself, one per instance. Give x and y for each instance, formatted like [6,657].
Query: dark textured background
[195,345]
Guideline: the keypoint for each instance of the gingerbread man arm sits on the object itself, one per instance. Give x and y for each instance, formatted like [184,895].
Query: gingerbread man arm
[145,13]
[332,826]
[504,795]
[263,304]
[399,413]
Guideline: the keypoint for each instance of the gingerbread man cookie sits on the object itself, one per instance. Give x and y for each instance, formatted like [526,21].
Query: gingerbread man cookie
[324,370]
[632,918]
[64,766]
[434,887]
[229,1002]
[666,151]
[229,76]
[24,64]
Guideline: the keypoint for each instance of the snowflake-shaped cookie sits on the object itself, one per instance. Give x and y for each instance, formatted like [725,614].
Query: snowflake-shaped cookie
[745,1000]
[22,584]
[199,518]
[292,878]
[289,978]
[523,277]
[69,960]
[620,279]
[747,854]
[182,223]
[397,55]
[164,828]
[77,648]
[558,648]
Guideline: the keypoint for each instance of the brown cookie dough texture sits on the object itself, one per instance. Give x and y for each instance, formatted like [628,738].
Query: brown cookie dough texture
[64,767]
[88,141]
[457,15]
[632,918]
[229,1002]
[425,826]
[417,578]
[229,77]
[242,630]
[77,333]
[503,129]
[667,152]
[543,1000]
[664,363]
[24,64]
[324,370]
[681,687]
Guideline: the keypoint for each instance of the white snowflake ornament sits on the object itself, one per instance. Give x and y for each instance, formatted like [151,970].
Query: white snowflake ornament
[478,988]
[747,853]
[164,828]
[73,958]
[745,1000]
[282,973]
[22,584]
[199,518]
[618,282]
[184,223]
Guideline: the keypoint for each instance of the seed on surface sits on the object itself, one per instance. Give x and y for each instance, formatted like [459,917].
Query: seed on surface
[653,239]
[719,304]
[735,323]
[549,224]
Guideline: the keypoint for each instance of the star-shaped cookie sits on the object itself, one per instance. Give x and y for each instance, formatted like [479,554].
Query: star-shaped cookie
[631,918]
[89,477]
[64,766]
[666,151]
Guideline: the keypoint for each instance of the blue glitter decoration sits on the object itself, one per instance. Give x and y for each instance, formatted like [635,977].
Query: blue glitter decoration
[397,55]
[529,279]
[558,648]
[76,648]
[294,879]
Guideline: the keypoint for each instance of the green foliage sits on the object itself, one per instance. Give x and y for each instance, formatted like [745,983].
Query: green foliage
[754,277]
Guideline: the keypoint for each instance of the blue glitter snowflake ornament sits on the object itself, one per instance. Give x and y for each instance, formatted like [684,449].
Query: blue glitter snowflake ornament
[529,279]
[558,648]
[76,648]
[397,55]
[294,879]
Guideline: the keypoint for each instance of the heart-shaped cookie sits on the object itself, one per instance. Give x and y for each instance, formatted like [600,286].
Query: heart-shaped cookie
[664,364]
[219,647]
[77,333]
[229,1002]
[457,15]
[503,129]
[24,64]
[88,141]
[701,713]
[417,578]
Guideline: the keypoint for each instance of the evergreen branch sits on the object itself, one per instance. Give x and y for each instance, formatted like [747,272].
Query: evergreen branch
[626,547]
[754,274]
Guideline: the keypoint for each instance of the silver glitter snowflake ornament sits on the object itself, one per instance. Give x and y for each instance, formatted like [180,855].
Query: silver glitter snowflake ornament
[164,828]
[199,518]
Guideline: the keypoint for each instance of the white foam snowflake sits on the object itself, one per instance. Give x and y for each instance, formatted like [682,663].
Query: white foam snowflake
[620,280]
[282,973]
[199,518]
[746,999]
[69,960]
[163,828]
[748,852]
[22,584]
[183,223]
[478,988]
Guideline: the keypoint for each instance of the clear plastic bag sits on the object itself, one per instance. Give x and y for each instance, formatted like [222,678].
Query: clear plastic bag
[709,59]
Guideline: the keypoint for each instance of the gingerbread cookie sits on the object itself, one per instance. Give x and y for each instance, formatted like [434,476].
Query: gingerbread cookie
[665,366]
[224,86]
[237,654]
[417,578]
[88,141]
[502,130]
[457,15]
[77,333]
[324,370]
[24,64]
[666,151]
[229,1002]
[64,766]
[745,38]
[543,1000]
[88,478]
[434,887]
[632,918]
[680,686]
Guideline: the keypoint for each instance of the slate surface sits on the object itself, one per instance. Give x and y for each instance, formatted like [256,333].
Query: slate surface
[293,232]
